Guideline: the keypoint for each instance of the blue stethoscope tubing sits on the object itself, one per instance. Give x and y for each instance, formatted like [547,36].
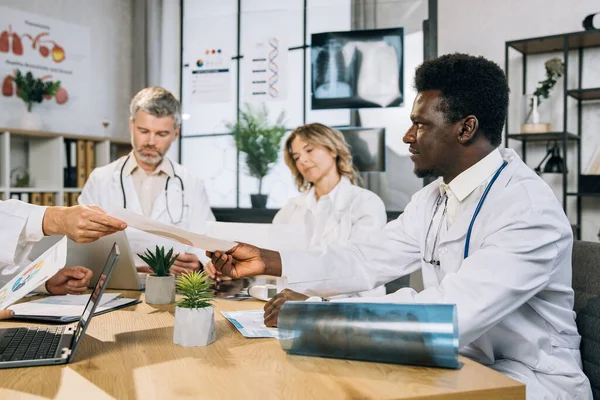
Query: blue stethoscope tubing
[166,190]
[485,193]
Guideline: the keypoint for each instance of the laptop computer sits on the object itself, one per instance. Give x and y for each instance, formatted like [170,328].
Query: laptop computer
[51,345]
[91,255]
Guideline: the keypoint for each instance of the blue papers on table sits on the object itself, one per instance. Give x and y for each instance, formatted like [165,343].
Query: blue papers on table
[67,308]
[251,324]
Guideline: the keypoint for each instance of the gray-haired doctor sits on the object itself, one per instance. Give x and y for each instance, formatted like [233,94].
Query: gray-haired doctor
[149,183]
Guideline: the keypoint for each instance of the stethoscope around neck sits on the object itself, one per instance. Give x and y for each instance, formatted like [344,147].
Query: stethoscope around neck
[473,218]
[166,191]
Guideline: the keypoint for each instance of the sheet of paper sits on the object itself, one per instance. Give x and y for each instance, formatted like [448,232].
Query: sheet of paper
[278,237]
[36,273]
[148,225]
[64,310]
[251,324]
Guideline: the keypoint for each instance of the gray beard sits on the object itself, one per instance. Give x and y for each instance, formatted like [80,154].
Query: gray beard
[150,160]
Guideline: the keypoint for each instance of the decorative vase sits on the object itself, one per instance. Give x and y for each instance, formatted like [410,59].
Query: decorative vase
[194,326]
[30,121]
[258,200]
[532,122]
[160,289]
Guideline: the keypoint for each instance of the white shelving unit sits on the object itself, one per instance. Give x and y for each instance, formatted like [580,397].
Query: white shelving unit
[43,155]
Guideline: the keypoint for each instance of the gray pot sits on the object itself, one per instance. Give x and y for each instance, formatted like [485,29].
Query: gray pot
[194,327]
[258,200]
[160,289]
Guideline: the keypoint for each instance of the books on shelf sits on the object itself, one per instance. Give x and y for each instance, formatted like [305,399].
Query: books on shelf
[37,198]
[80,161]
[72,199]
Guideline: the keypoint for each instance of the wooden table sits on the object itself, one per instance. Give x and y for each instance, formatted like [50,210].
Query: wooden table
[129,354]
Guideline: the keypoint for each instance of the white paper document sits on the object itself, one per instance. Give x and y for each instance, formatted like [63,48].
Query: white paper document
[66,306]
[151,226]
[251,324]
[39,271]
[278,237]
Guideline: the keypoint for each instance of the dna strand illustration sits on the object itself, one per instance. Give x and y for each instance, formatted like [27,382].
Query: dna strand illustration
[273,67]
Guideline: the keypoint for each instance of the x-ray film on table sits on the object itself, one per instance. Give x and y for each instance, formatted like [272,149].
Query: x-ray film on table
[415,334]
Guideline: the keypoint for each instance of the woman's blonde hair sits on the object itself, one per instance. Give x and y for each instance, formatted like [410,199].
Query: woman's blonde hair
[320,135]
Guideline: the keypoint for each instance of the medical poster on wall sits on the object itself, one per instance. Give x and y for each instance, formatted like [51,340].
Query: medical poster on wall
[266,74]
[51,50]
[210,80]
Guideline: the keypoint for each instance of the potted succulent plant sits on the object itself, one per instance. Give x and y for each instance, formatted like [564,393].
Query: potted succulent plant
[260,140]
[160,286]
[194,314]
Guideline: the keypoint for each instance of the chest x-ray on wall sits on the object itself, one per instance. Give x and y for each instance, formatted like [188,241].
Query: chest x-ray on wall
[357,69]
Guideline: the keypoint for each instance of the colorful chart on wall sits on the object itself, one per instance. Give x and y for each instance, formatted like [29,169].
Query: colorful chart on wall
[35,274]
[210,80]
[265,78]
[51,50]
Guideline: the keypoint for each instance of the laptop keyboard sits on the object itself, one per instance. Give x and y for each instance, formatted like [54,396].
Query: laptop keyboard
[30,343]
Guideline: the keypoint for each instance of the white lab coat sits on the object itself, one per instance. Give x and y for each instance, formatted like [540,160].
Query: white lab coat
[21,228]
[356,213]
[103,189]
[513,293]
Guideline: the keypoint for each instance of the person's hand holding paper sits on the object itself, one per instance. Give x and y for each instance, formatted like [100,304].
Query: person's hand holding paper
[82,224]
[245,260]
[278,237]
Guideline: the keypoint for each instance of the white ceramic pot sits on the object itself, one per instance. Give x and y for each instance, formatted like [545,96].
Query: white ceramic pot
[160,289]
[194,326]
[30,121]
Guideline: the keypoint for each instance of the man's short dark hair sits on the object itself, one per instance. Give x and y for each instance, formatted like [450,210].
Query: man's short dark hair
[469,85]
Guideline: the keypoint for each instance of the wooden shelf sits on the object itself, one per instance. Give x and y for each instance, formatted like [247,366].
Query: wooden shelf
[47,134]
[72,190]
[585,94]
[554,43]
[542,136]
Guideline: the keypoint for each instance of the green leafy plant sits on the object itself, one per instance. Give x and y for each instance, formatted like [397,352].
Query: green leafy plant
[259,139]
[34,90]
[195,288]
[555,68]
[158,261]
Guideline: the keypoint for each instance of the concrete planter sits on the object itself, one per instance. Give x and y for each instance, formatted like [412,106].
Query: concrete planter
[194,326]
[160,289]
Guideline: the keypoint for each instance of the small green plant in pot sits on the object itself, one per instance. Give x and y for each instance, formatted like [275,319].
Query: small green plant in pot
[260,140]
[194,315]
[160,286]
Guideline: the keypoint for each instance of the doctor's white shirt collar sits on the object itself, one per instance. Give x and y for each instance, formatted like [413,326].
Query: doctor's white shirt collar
[311,198]
[163,167]
[469,180]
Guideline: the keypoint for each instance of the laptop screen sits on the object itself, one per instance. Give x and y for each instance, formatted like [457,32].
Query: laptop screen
[95,297]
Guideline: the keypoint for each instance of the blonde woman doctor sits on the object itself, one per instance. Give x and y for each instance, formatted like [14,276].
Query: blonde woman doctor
[331,207]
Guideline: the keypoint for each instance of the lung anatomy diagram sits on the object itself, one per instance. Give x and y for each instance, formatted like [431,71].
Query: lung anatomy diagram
[17,45]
